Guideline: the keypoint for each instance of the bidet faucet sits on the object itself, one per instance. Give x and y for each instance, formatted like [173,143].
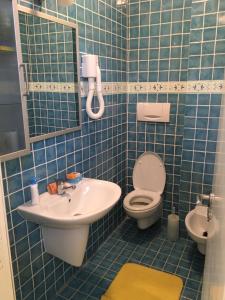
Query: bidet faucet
[209,198]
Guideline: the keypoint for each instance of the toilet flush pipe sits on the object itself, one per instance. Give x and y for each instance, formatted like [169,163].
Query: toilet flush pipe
[91,89]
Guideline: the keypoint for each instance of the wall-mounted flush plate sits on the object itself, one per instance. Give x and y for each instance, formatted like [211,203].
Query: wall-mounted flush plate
[153,112]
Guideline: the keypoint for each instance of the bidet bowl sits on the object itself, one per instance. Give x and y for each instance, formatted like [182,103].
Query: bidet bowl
[197,226]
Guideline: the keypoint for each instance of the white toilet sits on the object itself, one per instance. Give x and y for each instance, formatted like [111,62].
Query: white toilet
[145,203]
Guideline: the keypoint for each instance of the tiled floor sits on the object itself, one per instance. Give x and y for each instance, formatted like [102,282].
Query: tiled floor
[150,248]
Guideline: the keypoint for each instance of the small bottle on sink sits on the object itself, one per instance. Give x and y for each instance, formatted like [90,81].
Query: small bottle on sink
[34,191]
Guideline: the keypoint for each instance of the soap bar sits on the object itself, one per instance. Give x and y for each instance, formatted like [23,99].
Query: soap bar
[173,227]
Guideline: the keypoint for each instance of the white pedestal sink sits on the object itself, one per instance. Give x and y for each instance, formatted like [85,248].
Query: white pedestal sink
[65,224]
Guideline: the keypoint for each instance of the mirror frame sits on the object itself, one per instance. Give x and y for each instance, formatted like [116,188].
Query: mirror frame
[74,26]
[26,149]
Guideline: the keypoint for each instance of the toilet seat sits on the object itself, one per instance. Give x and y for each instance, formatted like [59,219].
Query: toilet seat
[149,173]
[141,200]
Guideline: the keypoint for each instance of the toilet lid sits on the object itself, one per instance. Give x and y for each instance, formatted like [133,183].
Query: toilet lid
[149,173]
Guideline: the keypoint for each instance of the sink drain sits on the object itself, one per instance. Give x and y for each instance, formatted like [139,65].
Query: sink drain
[75,215]
[205,233]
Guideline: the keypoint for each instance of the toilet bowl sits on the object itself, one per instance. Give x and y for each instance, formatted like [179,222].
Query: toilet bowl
[197,226]
[145,203]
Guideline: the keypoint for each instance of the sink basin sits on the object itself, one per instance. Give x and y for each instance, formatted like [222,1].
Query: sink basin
[65,219]
[91,200]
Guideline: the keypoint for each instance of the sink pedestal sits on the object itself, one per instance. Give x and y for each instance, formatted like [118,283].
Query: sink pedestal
[66,244]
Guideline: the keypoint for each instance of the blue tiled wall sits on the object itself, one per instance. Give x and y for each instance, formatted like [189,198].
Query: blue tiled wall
[164,44]
[201,120]
[158,40]
[201,115]
[177,41]
[164,139]
[207,44]
[98,151]
[158,51]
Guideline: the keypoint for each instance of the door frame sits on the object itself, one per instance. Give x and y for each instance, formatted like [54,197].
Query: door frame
[7,260]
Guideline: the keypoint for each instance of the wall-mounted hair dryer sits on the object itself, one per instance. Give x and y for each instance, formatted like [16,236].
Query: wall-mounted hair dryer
[91,70]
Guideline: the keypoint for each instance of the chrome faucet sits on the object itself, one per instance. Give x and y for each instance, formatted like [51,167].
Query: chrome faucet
[61,189]
[209,198]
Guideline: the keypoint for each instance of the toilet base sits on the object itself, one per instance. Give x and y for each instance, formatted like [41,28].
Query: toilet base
[201,248]
[144,223]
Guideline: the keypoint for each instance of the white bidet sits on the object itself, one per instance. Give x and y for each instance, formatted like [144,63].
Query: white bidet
[197,226]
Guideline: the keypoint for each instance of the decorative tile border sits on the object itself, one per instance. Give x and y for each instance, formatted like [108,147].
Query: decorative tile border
[110,88]
[57,87]
[177,87]
[121,2]
[207,86]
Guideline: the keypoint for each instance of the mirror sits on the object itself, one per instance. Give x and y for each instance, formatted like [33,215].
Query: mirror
[14,138]
[50,54]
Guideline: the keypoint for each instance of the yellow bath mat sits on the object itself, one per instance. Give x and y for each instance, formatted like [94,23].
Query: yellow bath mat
[136,282]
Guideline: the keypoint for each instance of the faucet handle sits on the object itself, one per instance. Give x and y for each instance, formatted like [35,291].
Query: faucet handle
[202,197]
[211,198]
[198,202]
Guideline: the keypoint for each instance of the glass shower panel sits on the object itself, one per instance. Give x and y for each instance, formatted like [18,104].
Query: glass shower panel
[12,136]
